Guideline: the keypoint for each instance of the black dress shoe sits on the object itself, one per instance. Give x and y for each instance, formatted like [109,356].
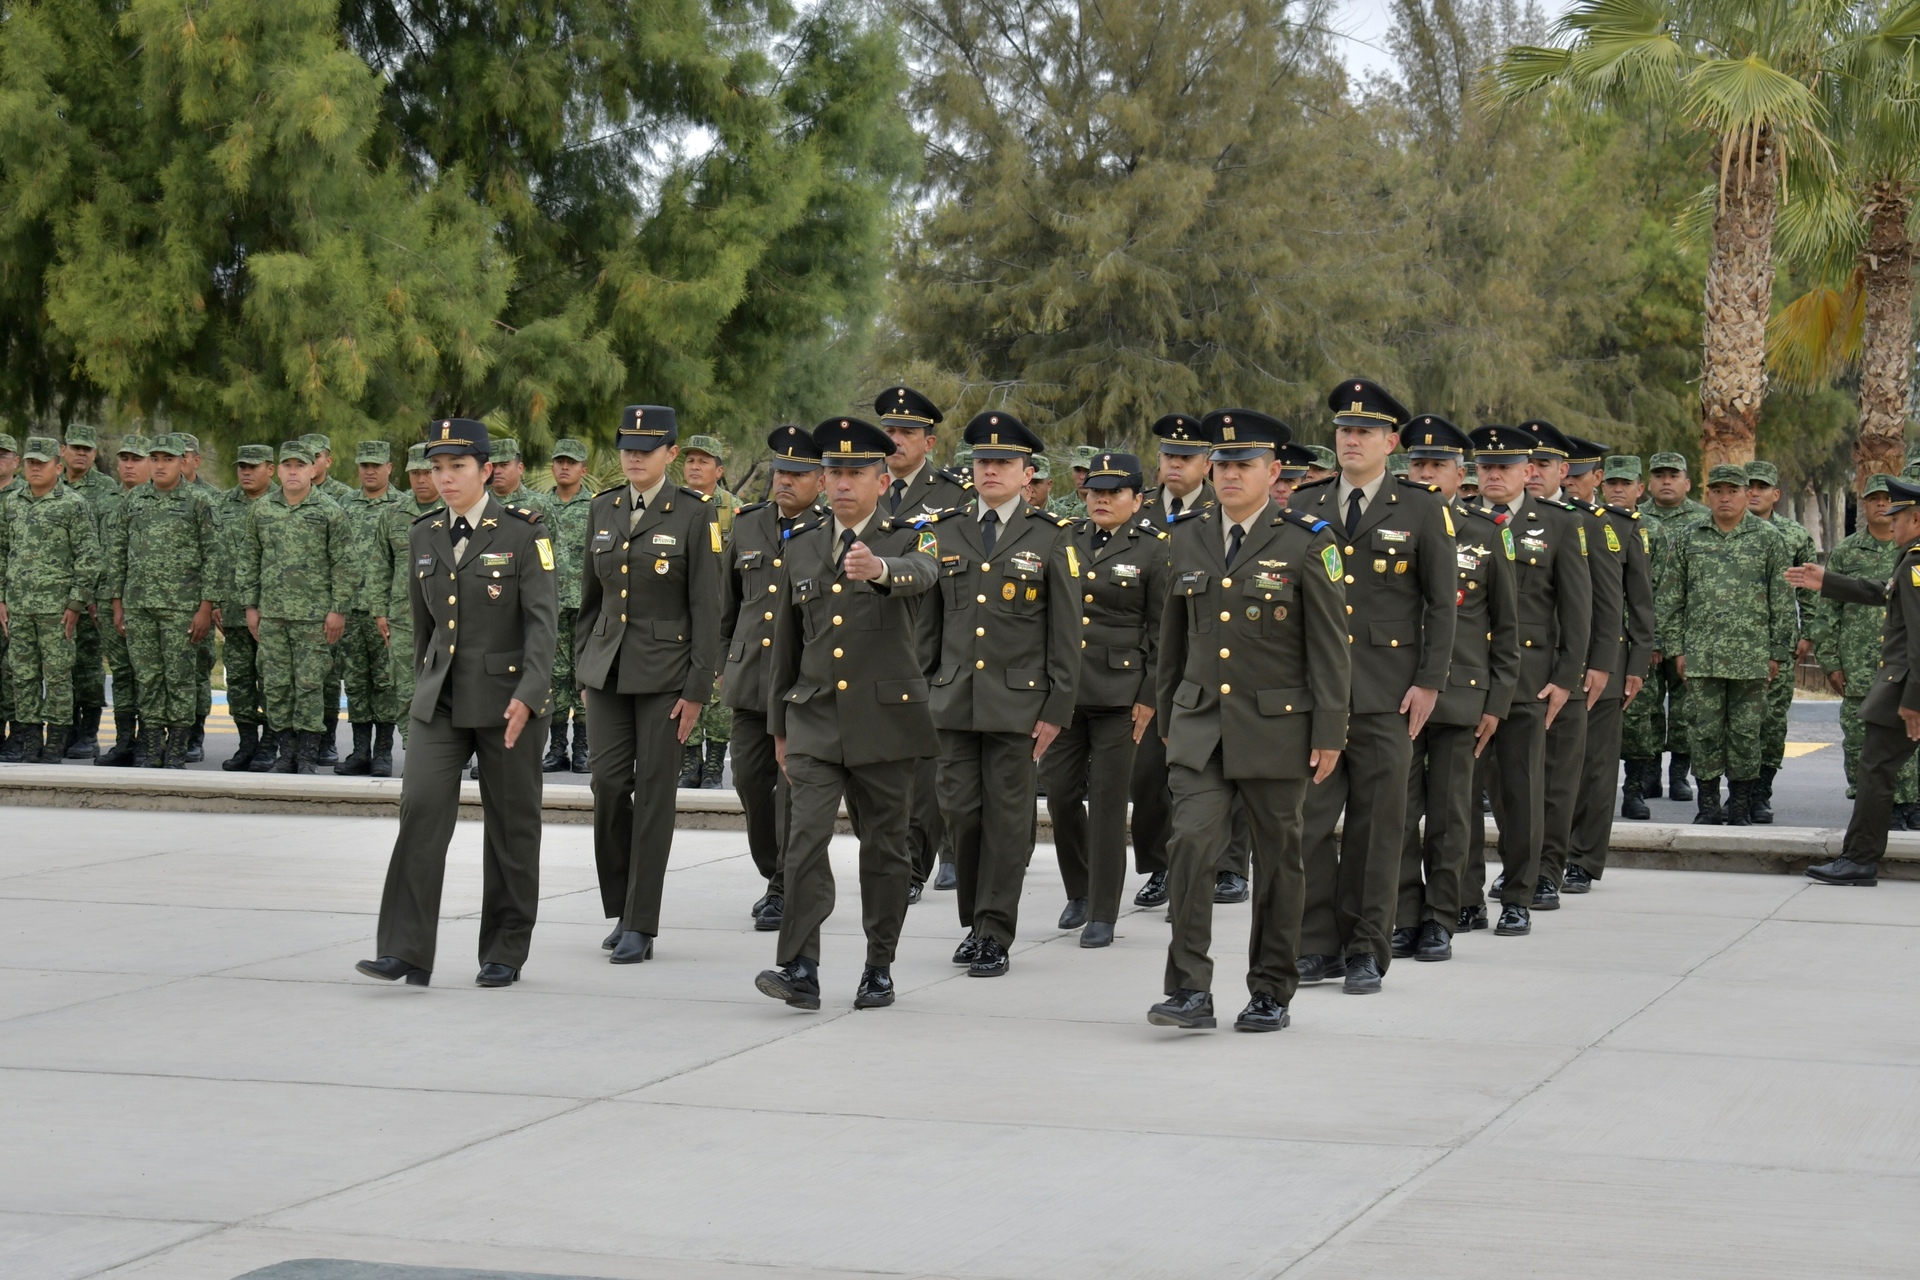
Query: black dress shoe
[1514,921]
[607,943]
[913,894]
[991,962]
[1545,896]
[1098,933]
[876,988]
[1263,1013]
[1845,871]
[1153,892]
[1499,883]
[393,968]
[1577,880]
[946,877]
[1075,915]
[1363,976]
[968,951]
[1184,1008]
[1435,943]
[753,912]
[1315,969]
[496,975]
[1230,886]
[1472,918]
[797,982]
[771,915]
[1402,943]
[632,948]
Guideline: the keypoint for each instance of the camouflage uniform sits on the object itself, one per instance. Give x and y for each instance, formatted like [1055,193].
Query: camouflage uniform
[714,731]
[246,702]
[366,665]
[385,579]
[569,521]
[10,445]
[338,492]
[49,563]
[1800,550]
[1847,638]
[206,653]
[1664,698]
[1725,607]
[295,567]
[163,559]
[1643,730]
[95,638]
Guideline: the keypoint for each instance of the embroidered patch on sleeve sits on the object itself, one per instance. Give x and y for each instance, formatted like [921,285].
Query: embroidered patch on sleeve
[1330,557]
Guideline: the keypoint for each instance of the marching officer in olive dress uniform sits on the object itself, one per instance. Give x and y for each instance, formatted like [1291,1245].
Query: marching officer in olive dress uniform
[755,560]
[647,649]
[1397,538]
[847,707]
[485,612]
[1002,642]
[1480,683]
[1619,552]
[1088,769]
[1252,694]
[1556,623]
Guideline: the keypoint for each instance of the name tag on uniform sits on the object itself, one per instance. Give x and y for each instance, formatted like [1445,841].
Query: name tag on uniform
[1026,561]
[665,540]
[1469,557]
[1394,535]
[750,560]
[1532,543]
[1192,582]
[496,557]
[1126,574]
[425,562]
[603,540]
[1269,581]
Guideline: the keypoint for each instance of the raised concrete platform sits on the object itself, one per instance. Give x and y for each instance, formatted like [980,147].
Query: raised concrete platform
[1663,846]
[1677,1076]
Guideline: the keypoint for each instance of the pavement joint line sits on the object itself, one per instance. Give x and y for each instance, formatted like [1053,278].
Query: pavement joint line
[83,1001]
[287,1082]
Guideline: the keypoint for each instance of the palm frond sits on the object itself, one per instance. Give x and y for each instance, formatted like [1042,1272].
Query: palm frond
[1820,225]
[1694,222]
[1818,336]
[1522,70]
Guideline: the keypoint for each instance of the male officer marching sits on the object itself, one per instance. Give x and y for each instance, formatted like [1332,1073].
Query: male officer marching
[755,564]
[1002,638]
[1397,538]
[847,709]
[1252,696]
[484,616]
[647,651]
[1480,684]
[1123,563]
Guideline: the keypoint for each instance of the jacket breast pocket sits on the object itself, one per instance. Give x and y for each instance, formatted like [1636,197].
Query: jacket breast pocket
[957,586]
[1023,592]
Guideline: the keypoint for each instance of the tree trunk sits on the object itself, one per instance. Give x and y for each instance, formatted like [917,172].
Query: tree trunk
[1886,348]
[1733,382]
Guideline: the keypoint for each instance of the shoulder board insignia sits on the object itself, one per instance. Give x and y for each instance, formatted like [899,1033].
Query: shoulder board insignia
[1622,512]
[1314,484]
[752,506]
[525,513]
[1310,523]
[435,511]
[1191,513]
[1063,521]
[1565,505]
[805,526]
[1161,534]
[1418,484]
[960,478]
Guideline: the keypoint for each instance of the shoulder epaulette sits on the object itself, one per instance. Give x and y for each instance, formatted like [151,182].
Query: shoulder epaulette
[1627,512]
[695,493]
[1421,485]
[1498,517]
[1561,503]
[1065,522]
[931,517]
[1312,524]
[753,506]
[525,513]
[1315,484]
[960,478]
[804,525]
[1191,513]
[433,511]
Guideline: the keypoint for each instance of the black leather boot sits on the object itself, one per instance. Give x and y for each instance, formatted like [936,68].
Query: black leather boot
[556,761]
[1710,814]
[1650,778]
[383,751]
[10,744]
[580,762]
[120,754]
[715,767]
[249,743]
[83,743]
[28,740]
[197,741]
[179,745]
[359,763]
[288,744]
[56,748]
[142,744]
[152,749]
[1760,799]
[1632,803]
[306,752]
[324,744]
[689,766]
[1739,803]
[268,753]
[1677,788]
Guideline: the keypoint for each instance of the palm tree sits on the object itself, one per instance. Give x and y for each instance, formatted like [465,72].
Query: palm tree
[1857,218]
[1743,73]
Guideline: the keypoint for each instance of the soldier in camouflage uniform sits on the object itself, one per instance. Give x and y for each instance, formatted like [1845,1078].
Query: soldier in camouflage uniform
[569,512]
[10,482]
[246,703]
[98,488]
[1643,722]
[1847,642]
[1666,509]
[134,465]
[385,580]
[1726,617]
[337,491]
[703,461]
[297,578]
[49,569]
[205,652]
[372,709]
[1039,486]
[1763,497]
[510,477]
[163,570]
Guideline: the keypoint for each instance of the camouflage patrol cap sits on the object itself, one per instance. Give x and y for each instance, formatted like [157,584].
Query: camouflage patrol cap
[1622,466]
[1876,483]
[374,451]
[8,444]
[169,443]
[254,455]
[317,442]
[133,444]
[81,435]
[1082,456]
[1042,469]
[709,445]
[417,457]
[1726,473]
[1397,463]
[963,456]
[568,447]
[41,449]
[505,449]
[189,441]
[296,451]
[1763,473]
[1324,458]
[1473,475]
[1912,470]
[1667,462]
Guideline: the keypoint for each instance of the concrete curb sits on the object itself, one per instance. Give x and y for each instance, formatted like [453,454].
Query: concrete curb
[1669,846]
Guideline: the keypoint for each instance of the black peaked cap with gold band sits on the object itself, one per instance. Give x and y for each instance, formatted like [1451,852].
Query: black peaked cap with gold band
[1294,461]
[1431,436]
[647,427]
[1549,442]
[851,442]
[1360,402]
[1114,471]
[1905,494]
[1587,455]
[793,449]
[1501,446]
[1240,434]
[998,434]
[1181,433]
[905,407]
[459,437]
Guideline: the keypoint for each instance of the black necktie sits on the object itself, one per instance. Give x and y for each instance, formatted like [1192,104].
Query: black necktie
[786,526]
[1233,544]
[1100,537]
[1173,507]
[846,545]
[1354,500]
[896,491]
[989,529]
[461,529]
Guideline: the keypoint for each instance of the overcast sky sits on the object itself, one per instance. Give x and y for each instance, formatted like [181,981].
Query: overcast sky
[1363,26]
